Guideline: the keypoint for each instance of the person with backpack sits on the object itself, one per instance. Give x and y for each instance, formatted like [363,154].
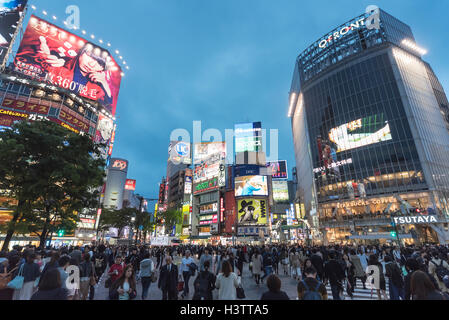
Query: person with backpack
[274,289]
[438,268]
[334,273]
[87,277]
[310,288]
[204,284]
[146,272]
[396,281]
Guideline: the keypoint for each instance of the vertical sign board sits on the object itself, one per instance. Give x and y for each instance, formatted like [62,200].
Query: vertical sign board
[11,18]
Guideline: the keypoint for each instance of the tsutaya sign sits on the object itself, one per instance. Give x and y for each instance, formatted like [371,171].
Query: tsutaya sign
[415,220]
[372,22]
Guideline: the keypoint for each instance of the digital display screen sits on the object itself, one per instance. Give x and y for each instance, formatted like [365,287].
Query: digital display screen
[360,133]
[251,186]
[248,137]
[49,53]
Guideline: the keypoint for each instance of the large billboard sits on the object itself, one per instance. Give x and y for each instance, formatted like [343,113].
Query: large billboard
[11,12]
[251,186]
[278,169]
[179,152]
[248,137]
[280,191]
[360,133]
[130,185]
[49,53]
[252,211]
[207,160]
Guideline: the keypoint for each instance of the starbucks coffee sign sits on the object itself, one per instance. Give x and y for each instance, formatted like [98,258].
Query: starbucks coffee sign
[415,220]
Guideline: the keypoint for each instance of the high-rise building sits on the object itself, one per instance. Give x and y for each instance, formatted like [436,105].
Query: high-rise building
[370,121]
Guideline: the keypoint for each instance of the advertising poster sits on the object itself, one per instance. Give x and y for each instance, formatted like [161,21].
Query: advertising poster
[11,12]
[252,211]
[179,152]
[360,133]
[105,127]
[248,137]
[207,160]
[49,53]
[130,185]
[280,191]
[278,169]
[251,186]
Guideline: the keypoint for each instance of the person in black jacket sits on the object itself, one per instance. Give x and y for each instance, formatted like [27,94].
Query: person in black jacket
[168,280]
[334,273]
[396,282]
[50,287]
[274,289]
[317,263]
[204,284]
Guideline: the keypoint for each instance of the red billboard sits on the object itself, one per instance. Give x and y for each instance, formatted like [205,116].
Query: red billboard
[130,185]
[49,53]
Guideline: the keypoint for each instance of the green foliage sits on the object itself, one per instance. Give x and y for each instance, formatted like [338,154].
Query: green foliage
[172,217]
[53,174]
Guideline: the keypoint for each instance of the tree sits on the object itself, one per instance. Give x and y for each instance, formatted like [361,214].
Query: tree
[171,218]
[52,173]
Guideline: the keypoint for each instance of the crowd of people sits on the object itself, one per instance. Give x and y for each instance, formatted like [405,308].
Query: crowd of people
[413,273]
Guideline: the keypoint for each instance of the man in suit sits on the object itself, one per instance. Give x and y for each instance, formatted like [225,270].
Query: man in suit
[168,280]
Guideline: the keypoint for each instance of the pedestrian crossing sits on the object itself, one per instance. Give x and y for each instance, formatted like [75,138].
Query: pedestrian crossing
[359,293]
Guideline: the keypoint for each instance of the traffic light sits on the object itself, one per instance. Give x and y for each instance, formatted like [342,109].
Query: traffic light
[393,234]
[61,233]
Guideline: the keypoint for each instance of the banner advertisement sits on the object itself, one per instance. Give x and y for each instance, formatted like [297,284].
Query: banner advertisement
[278,169]
[360,133]
[206,186]
[251,186]
[252,211]
[105,128]
[130,185]
[248,137]
[10,16]
[179,152]
[280,191]
[49,53]
[207,160]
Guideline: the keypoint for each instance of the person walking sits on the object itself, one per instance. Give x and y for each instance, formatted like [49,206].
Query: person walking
[267,263]
[204,284]
[438,268]
[146,272]
[186,264]
[274,289]
[349,269]
[87,276]
[168,280]
[30,272]
[296,265]
[359,271]
[227,283]
[124,288]
[334,273]
[422,288]
[396,281]
[374,262]
[310,288]
[50,287]
[257,263]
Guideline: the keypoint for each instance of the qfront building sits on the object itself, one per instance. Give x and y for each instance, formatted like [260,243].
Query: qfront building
[369,120]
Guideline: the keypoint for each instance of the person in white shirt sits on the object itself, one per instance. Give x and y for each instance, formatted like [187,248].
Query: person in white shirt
[186,263]
[227,283]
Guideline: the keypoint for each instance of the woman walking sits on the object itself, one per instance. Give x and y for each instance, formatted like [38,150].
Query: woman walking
[125,286]
[227,283]
[257,266]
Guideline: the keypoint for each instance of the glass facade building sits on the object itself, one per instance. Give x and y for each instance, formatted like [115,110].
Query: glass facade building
[370,126]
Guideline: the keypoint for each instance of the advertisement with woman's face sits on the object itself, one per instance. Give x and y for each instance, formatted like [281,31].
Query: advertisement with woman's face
[52,54]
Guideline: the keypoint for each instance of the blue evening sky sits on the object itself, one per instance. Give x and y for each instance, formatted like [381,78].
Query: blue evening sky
[221,62]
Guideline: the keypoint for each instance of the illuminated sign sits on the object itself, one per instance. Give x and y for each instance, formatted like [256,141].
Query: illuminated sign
[333,165]
[49,53]
[207,161]
[360,133]
[251,186]
[415,220]
[130,185]
[188,185]
[280,191]
[342,32]
[161,192]
[206,186]
[278,169]
[11,13]
[120,164]
[179,152]
[248,137]
[252,211]
[252,231]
